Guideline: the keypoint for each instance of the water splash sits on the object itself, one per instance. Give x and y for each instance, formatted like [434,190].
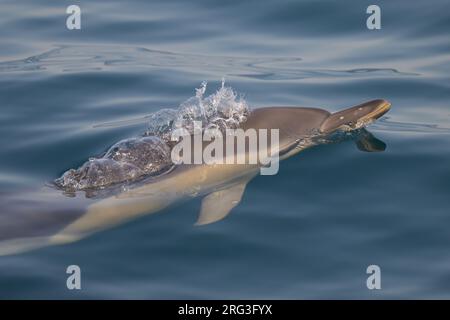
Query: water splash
[223,109]
[149,155]
[125,161]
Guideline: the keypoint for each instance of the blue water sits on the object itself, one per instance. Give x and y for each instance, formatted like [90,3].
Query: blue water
[308,232]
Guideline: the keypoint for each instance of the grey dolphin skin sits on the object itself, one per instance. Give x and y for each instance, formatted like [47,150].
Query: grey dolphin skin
[47,217]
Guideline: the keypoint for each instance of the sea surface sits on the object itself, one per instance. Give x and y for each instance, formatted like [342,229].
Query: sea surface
[310,231]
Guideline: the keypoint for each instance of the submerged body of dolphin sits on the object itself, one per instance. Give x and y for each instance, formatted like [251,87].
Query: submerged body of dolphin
[37,219]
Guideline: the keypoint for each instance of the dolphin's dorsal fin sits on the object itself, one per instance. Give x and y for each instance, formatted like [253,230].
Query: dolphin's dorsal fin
[217,205]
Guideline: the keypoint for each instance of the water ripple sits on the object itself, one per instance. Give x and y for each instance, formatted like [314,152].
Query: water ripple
[386,124]
[97,58]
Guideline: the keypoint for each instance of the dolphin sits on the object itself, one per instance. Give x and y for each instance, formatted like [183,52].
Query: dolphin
[31,220]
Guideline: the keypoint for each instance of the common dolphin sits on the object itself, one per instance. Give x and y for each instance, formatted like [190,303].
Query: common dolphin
[36,219]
